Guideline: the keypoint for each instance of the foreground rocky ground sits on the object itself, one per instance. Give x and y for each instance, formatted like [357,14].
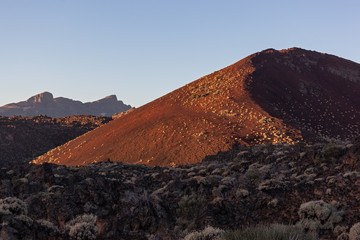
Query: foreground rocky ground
[24,138]
[316,186]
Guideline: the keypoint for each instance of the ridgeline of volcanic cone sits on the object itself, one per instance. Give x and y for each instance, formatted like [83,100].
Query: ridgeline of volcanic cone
[268,97]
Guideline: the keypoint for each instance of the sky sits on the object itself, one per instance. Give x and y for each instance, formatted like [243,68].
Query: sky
[140,49]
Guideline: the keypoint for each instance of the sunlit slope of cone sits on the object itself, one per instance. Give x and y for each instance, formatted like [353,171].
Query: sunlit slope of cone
[268,97]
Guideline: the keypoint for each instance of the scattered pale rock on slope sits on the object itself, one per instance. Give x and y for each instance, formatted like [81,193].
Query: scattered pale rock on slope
[268,97]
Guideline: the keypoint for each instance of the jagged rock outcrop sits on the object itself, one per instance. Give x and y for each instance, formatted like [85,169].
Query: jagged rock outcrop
[268,97]
[45,104]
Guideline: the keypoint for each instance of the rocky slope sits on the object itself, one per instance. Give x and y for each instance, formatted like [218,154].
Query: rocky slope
[45,104]
[317,186]
[24,138]
[269,97]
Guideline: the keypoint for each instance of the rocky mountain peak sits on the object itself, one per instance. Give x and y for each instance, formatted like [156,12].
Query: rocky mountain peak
[44,97]
[45,104]
[110,98]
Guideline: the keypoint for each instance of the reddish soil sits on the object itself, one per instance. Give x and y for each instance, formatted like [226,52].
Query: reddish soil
[269,97]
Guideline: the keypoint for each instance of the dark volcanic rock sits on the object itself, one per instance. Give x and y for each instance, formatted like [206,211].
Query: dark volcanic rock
[24,138]
[45,104]
[243,187]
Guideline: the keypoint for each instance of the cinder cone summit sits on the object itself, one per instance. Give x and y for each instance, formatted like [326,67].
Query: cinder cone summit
[268,97]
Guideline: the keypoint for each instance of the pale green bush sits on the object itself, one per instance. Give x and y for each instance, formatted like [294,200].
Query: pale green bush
[354,233]
[83,227]
[190,206]
[46,224]
[271,232]
[316,215]
[209,233]
[343,236]
[13,206]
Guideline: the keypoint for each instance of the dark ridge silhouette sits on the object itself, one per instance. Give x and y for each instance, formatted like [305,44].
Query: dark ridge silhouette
[24,138]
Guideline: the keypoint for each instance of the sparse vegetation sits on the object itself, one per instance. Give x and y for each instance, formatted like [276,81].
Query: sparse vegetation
[83,227]
[253,174]
[138,201]
[319,215]
[271,184]
[271,232]
[13,206]
[261,232]
[331,151]
[354,233]
[191,206]
[48,225]
[209,233]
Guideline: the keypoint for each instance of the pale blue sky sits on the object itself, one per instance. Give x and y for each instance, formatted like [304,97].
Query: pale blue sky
[141,50]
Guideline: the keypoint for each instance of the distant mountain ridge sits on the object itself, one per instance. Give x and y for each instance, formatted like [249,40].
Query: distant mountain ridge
[45,104]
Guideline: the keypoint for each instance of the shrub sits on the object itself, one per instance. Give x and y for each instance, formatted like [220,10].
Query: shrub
[331,151]
[271,232]
[48,225]
[354,233]
[83,227]
[316,215]
[190,212]
[190,206]
[343,236]
[13,206]
[271,184]
[338,230]
[253,174]
[209,233]
[24,219]
[13,217]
